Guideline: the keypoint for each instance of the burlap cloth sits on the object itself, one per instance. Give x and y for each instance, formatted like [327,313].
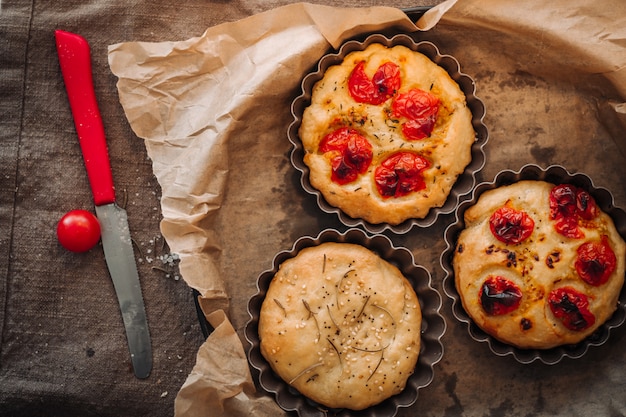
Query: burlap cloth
[551,76]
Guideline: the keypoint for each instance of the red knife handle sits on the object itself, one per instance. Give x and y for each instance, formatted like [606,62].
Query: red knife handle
[75,60]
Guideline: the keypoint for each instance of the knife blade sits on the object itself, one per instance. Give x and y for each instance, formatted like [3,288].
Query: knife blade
[75,60]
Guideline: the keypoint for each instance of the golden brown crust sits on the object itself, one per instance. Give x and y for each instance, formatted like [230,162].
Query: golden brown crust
[341,325]
[448,148]
[537,265]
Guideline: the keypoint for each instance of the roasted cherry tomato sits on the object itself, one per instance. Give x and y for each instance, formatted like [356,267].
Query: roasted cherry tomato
[78,230]
[595,261]
[511,226]
[401,174]
[572,308]
[381,87]
[420,108]
[569,205]
[499,295]
[350,154]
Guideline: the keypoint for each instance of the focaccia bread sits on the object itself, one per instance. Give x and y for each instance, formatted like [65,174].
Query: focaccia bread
[386,135]
[539,265]
[341,325]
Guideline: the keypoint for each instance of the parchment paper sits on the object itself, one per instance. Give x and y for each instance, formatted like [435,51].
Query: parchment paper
[186,99]
[213,110]
[575,42]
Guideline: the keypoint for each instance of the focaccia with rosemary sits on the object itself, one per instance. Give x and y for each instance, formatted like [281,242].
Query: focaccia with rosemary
[341,325]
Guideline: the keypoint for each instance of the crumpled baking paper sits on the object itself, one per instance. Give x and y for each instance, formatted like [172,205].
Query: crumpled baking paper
[589,40]
[188,99]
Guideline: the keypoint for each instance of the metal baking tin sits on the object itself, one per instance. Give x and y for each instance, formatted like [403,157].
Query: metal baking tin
[557,175]
[433,327]
[464,182]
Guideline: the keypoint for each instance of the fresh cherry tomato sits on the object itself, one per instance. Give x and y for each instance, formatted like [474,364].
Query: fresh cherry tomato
[78,230]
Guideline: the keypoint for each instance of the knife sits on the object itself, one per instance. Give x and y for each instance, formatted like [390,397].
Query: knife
[75,60]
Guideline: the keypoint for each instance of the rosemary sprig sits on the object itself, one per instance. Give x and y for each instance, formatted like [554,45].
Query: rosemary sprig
[308,308]
[336,350]
[332,319]
[363,308]
[369,350]
[312,314]
[382,355]
[347,273]
[310,368]
[393,320]
[281,306]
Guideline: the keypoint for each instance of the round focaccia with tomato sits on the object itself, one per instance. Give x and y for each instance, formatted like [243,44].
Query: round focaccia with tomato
[386,134]
[538,265]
